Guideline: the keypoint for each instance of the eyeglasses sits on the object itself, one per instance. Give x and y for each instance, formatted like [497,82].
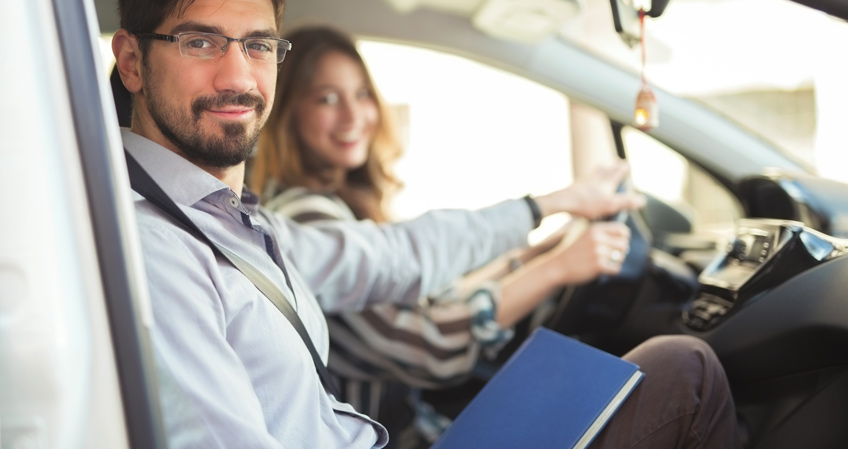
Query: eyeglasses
[211,45]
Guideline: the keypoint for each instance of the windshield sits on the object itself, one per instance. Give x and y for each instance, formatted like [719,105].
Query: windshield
[769,65]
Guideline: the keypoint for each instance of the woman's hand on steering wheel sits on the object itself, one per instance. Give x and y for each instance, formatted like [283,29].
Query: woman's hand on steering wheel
[589,250]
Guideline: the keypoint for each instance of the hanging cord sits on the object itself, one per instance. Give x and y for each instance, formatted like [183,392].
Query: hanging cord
[645,116]
[642,42]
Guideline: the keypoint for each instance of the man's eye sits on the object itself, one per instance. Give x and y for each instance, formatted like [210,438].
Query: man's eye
[199,43]
[261,46]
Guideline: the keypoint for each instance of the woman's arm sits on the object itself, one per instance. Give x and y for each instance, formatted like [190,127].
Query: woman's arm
[508,263]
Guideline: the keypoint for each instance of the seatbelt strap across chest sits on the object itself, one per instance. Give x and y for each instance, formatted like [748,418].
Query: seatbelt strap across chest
[142,183]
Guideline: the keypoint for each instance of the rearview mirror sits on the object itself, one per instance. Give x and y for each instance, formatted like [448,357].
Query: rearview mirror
[625,16]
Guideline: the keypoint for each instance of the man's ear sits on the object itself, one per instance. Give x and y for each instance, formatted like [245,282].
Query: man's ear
[128,60]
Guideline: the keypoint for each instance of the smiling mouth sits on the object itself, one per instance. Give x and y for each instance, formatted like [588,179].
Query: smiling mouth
[348,139]
[232,114]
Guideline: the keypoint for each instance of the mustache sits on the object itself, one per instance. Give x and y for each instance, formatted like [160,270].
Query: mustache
[218,101]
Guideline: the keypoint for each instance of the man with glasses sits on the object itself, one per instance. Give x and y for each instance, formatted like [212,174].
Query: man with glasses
[210,45]
[233,371]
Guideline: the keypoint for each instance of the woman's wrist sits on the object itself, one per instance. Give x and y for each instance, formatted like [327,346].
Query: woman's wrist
[552,203]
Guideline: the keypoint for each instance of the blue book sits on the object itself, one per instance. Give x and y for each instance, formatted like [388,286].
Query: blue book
[554,392]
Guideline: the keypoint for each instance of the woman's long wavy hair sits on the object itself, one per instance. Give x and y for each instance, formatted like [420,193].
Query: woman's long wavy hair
[282,160]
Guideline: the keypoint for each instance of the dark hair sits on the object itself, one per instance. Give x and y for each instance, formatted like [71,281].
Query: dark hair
[280,159]
[143,16]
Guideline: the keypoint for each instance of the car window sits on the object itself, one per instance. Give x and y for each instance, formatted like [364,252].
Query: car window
[474,134]
[663,173]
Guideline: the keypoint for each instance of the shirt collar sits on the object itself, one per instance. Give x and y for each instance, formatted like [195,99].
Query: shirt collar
[249,199]
[183,181]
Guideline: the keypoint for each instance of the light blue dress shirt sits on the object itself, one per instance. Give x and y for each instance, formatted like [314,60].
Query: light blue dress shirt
[233,372]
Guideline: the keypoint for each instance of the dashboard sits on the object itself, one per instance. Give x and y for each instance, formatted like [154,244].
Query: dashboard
[772,302]
[762,254]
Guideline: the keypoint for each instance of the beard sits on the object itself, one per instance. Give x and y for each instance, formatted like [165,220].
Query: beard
[206,149]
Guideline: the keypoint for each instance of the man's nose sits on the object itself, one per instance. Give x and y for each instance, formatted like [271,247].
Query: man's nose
[235,70]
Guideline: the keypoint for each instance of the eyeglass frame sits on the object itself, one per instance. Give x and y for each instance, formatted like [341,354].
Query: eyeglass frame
[242,40]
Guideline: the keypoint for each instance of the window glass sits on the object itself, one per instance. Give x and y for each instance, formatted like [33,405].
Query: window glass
[475,135]
[664,174]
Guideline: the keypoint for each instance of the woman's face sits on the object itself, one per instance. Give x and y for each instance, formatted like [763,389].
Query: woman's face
[338,115]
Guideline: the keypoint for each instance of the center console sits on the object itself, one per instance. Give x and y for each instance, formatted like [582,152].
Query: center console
[762,254]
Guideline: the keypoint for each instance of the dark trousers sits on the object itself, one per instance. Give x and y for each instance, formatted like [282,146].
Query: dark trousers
[683,402]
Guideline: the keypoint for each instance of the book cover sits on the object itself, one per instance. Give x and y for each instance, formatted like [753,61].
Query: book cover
[554,392]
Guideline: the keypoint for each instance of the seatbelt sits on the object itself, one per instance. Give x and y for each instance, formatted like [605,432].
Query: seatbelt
[142,183]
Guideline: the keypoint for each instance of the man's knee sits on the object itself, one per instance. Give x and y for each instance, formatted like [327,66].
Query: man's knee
[679,362]
[672,350]
[685,383]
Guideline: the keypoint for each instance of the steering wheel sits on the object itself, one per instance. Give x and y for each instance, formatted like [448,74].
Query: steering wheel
[600,305]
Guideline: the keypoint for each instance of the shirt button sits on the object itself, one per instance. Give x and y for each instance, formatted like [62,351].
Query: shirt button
[234,202]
